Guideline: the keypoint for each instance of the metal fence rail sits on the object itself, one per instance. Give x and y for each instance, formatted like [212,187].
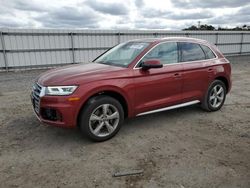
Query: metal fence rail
[44,48]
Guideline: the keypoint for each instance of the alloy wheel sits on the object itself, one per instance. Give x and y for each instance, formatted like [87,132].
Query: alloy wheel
[216,96]
[104,120]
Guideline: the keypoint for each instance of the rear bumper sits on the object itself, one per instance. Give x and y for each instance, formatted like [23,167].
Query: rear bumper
[65,111]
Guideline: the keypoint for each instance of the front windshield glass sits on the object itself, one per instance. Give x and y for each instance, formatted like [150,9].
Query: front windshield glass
[122,54]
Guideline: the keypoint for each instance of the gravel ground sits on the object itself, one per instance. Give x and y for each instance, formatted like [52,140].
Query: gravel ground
[180,148]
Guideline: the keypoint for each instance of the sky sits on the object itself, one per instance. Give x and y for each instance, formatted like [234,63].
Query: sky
[122,14]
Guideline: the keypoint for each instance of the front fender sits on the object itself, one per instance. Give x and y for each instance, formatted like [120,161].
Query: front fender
[122,88]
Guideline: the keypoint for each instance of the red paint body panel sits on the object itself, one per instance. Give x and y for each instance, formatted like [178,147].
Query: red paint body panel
[142,90]
[196,80]
[156,88]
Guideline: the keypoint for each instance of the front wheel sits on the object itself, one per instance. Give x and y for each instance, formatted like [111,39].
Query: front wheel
[101,118]
[215,96]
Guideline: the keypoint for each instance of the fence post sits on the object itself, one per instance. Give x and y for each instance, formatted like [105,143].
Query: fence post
[241,42]
[119,37]
[216,39]
[4,52]
[72,47]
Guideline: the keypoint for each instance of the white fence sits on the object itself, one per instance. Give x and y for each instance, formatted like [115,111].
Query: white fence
[21,48]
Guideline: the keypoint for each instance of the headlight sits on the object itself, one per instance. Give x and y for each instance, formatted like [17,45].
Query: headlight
[60,90]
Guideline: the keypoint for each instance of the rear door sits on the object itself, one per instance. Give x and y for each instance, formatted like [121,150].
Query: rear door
[161,87]
[196,69]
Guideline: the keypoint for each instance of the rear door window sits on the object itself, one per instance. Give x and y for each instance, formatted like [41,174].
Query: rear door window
[191,52]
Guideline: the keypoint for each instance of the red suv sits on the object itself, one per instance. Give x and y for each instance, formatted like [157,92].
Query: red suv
[132,79]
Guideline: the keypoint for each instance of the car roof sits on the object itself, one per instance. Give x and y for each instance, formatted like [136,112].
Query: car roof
[176,39]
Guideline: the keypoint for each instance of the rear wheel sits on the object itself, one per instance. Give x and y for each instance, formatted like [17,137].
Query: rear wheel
[215,96]
[101,118]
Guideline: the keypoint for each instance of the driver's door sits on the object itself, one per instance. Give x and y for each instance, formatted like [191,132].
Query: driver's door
[159,87]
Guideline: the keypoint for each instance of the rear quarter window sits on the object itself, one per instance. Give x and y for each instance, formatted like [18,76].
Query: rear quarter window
[209,53]
[191,52]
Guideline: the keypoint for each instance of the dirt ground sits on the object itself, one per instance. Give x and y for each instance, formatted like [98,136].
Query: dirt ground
[178,149]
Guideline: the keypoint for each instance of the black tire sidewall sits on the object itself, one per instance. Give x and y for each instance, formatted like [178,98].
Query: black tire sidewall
[86,112]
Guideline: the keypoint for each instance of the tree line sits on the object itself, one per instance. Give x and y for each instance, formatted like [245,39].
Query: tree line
[206,27]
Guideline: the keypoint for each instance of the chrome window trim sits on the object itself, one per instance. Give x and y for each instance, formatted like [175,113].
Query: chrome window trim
[178,63]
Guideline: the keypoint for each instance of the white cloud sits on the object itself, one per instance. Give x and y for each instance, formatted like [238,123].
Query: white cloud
[120,14]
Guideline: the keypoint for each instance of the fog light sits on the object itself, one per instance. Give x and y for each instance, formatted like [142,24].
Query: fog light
[51,114]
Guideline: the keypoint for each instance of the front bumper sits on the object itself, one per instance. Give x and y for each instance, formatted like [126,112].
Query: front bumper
[56,110]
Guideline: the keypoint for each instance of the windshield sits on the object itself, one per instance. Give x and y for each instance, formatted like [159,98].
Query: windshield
[122,54]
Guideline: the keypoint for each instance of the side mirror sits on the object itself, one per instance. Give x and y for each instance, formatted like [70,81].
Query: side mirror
[151,64]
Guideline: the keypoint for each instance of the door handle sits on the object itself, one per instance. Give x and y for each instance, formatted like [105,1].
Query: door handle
[210,70]
[177,75]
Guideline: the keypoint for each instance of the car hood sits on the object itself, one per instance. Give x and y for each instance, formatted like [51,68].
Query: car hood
[78,74]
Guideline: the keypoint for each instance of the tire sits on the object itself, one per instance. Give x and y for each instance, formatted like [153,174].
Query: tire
[101,118]
[215,96]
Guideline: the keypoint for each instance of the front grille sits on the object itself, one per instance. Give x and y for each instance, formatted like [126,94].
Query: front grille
[36,97]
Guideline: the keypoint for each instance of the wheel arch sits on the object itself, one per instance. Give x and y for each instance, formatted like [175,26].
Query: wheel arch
[224,80]
[107,92]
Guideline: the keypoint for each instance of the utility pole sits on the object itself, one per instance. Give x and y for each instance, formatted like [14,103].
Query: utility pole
[199,24]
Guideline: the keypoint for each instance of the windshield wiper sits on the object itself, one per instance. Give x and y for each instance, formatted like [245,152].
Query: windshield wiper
[111,63]
[104,62]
